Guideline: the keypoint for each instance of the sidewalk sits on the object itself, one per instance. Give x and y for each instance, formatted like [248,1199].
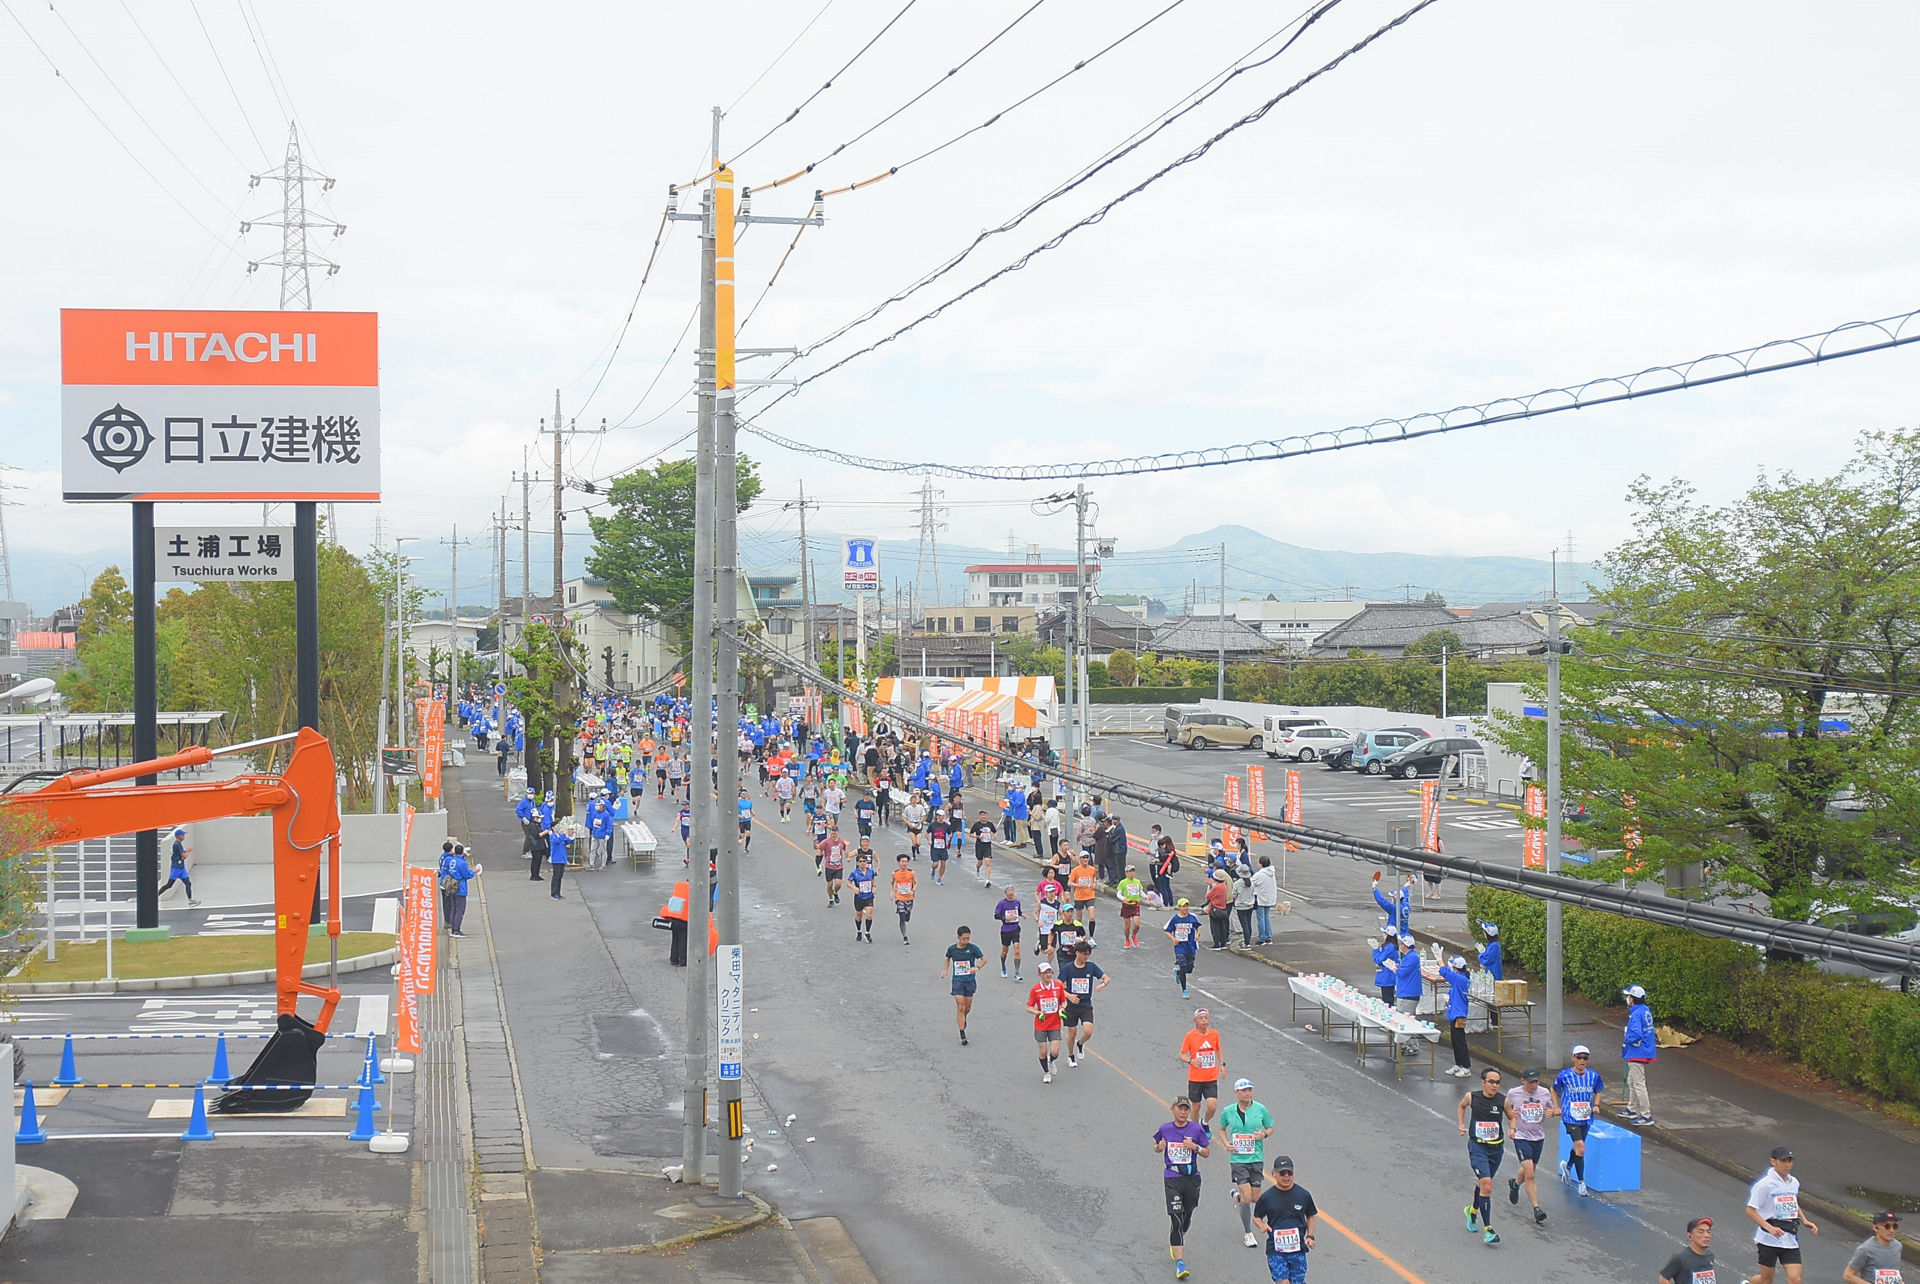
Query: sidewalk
[579,1225]
[1712,1102]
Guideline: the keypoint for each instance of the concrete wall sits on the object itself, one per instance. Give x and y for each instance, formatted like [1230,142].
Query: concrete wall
[248,840]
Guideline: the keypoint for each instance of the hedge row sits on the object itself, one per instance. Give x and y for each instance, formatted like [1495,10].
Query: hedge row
[1147,695]
[1844,1028]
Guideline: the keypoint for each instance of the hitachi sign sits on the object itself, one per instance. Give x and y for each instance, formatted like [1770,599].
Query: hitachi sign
[196,345]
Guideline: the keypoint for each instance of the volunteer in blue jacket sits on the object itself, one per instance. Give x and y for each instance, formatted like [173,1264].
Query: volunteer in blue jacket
[1399,910]
[1454,973]
[600,829]
[560,838]
[453,864]
[1638,1050]
[1015,815]
[1491,959]
[1386,961]
[1407,985]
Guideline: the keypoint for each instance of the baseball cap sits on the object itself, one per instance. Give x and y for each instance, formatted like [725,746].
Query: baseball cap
[1634,992]
[1131,868]
[1530,1074]
[1886,1219]
[1045,966]
[1183,901]
[1200,1012]
[1242,1083]
[1698,1221]
[1491,929]
[1283,1163]
[181,829]
[1781,1153]
[1406,938]
[1457,961]
[1580,1050]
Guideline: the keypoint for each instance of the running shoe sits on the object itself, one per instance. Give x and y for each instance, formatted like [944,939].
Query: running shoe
[1179,1268]
[1017,976]
[1563,1170]
[1539,1215]
[963,1038]
[1490,1238]
[1070,1061]
[1047,1077]
[1513,1191]
[1582,1188]
[196,903]
[1473,1219]
[1251,1240]
[1003,969]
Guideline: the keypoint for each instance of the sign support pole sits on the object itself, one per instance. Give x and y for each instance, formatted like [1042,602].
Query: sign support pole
[146,714]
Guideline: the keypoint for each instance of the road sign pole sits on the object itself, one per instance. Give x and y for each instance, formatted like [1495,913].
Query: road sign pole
[146,715]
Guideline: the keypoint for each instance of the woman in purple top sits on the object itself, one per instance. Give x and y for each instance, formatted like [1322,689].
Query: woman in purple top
[1181,1146]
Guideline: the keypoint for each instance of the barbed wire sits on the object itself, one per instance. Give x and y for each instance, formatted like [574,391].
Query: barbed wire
[1859,338]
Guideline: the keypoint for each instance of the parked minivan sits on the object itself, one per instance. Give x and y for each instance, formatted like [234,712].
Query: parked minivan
[1174,715]
[1277,725]
[1373,748]
[1304,744]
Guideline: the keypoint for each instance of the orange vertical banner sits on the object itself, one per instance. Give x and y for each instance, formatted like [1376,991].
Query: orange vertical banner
[1430,815]
[1534,807]
[1257,800]
[1291,812]
[1230,834]
[423,928]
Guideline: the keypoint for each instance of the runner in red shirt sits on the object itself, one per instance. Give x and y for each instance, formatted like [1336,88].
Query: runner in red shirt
[1201,1051]
[1045,1000]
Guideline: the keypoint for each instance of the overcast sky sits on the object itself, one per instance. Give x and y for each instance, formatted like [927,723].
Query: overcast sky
[1492,199]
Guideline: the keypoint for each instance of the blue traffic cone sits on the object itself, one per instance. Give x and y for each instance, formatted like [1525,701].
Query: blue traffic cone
[364,1106]
[370,1073]
[197,1129]
[30,1133]
[68,1076]
[221,1076]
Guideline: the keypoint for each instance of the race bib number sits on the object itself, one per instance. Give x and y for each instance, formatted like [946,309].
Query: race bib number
[1080,984]
[1178,1155]
[1049,1006]
[1183,931]
[963,969]
[1286,1239]
[1704,1277]
[1532,1111]
[1786,1206]
[1886,1275]
[1486,1131]
[1011,916]
[1580,1111]
[1048,916]
[1243,1143]
[1203,1059]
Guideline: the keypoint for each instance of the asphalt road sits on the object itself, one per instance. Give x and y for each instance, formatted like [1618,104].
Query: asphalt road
[950,1162]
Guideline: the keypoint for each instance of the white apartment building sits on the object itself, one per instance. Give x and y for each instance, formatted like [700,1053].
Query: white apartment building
[1032,584]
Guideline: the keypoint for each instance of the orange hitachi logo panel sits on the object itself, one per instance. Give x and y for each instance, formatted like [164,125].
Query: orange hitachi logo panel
[135,346]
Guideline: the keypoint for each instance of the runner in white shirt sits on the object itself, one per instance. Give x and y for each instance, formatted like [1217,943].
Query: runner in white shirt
[1773,1206]
[1532,1106]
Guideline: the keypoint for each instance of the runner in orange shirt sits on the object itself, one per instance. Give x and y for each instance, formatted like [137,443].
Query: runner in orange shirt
[1201,1051]
[904,884]
[1084,879]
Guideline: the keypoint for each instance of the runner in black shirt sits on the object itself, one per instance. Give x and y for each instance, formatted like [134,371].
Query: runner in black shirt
[1693,1264]
[1491,1120]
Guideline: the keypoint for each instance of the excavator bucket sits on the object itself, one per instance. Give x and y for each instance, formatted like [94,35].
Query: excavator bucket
[292,1056]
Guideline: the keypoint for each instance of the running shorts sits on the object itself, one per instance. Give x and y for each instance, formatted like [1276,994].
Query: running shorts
[1075,1013]
[1198,1088]
[1527,1151]
[862,902]
[964,985]
[1485,1159]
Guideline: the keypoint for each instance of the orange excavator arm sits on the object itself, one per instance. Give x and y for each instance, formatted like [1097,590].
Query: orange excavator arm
[301,801]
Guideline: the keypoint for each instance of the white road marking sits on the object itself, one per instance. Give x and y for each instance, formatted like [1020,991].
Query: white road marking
[386,915]
[373,1016]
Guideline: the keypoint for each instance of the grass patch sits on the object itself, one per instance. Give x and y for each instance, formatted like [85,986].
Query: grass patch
[184,956]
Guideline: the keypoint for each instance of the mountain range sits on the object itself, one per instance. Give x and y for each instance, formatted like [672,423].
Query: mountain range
[1187,570]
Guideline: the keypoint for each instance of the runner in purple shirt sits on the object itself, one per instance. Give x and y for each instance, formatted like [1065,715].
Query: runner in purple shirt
[1181,1145]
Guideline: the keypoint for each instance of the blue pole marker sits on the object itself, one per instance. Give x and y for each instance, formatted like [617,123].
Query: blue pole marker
[68,1076]
[221,1075]
[197,1129]
[364,1107]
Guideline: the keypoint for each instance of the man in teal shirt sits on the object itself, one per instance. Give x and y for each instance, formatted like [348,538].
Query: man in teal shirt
[1245,1126]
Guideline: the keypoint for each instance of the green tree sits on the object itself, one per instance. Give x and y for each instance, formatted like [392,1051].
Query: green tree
[643,549]
[1124,668]
[540,660]
[1704,714]
[882,661]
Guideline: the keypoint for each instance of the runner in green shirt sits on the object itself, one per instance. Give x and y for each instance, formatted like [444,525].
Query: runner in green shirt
[1131,892]
[1245,1126]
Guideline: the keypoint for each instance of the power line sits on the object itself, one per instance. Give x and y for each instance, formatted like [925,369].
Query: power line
[626,420]
[224,75]
[181,86]
[1766,639]
[1767,358]
[788,118]
[950,74]
[779,58]
[659,235]
[121,142]
[1100,214]
[1126,146]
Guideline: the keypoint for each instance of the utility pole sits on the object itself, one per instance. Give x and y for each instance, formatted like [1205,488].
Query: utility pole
[565,685]
[806,578]
[453,612]
[1443,680]
[1556,1031]
[1220,639]
[526,594]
